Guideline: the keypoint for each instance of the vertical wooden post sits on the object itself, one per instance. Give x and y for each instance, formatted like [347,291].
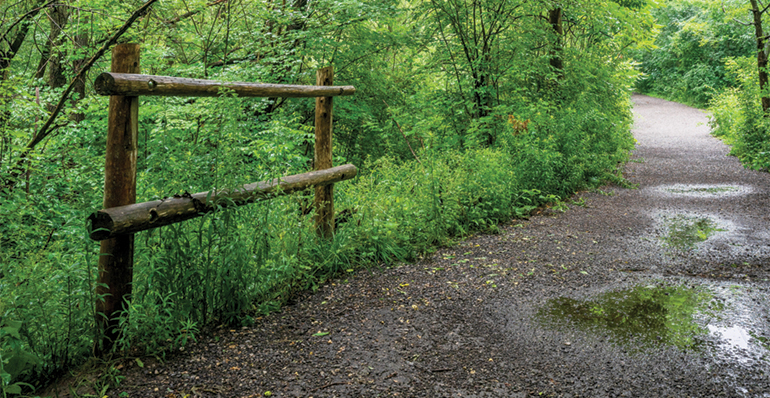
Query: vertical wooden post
[116,259]
[324,195]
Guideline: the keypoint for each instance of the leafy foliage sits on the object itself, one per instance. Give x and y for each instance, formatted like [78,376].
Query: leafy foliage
[495,131]
[687,63]
[737,116]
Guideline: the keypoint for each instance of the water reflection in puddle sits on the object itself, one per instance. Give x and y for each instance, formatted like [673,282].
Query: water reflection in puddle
[691,317]
[685,231]
[652,314]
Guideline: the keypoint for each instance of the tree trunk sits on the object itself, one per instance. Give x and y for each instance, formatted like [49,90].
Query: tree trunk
[556,61]
[481,96]
[43,64]
[81,41]
[58,19]
[761,54]
[18,39]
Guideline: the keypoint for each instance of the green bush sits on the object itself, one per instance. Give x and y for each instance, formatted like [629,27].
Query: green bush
[737,116]
[687,62]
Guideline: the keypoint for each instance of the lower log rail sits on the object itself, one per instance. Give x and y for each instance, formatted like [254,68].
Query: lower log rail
[115,221]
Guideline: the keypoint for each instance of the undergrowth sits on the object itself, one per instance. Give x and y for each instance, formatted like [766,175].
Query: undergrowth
[234,263]
[737,116]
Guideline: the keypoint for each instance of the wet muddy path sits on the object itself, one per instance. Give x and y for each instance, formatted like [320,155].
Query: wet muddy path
[659,291]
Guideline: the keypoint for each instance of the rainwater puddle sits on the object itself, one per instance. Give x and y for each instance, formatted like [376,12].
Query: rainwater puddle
[735,336]
[702,190]
[684,231]
[721,320]
[654,314]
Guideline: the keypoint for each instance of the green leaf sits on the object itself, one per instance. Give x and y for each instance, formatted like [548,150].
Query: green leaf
[320,334]
[12,389]
[13,328]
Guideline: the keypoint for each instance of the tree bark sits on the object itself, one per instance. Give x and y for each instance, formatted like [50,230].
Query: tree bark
[79,88]
[761,41]
[556,61]
[42,65]
[116,259]
[58,19]
[147,85]
[108,223]
[324,195]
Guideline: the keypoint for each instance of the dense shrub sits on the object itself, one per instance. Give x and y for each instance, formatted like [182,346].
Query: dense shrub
[687,62]
[736,115]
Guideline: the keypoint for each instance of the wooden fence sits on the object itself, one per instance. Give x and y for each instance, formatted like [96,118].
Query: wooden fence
[121,217]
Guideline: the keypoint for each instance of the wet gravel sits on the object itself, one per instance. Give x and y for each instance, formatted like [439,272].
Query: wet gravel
[463,322]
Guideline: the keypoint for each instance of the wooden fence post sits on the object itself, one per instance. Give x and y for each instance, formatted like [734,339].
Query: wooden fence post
[324,195]
[116,258]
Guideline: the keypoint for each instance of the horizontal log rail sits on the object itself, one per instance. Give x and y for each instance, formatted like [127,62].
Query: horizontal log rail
[133,85]
[115,221]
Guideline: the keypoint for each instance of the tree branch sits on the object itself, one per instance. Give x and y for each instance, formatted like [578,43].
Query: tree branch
[46,129]
[29,14]
[191,13]
[402,134]
[13,47]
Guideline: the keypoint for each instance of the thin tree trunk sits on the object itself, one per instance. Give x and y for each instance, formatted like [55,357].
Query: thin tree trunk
[761,54]
[43,64]
[25,22]
[58,19]
[556,61]
[81,41]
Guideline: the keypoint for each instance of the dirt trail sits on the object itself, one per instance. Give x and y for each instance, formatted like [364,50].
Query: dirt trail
[660,291]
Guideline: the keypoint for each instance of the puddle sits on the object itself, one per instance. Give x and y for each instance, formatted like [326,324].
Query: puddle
[723,320]
[703,190]
[735,336]
[653,314]
[684,232]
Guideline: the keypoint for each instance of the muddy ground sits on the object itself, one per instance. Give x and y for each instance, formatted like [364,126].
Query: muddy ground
[658,291]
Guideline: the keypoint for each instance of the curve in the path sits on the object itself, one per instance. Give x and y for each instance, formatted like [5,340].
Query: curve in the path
[609,299]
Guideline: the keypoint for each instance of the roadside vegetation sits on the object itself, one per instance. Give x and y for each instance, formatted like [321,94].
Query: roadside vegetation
[467,114]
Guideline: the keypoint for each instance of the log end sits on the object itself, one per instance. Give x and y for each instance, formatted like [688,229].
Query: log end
[104,84]
[347,90]
[347,171]
[100,225]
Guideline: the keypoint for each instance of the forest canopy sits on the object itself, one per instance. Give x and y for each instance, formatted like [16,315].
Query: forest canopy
[466,114]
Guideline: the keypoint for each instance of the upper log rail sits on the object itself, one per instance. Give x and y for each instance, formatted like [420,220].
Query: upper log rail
[117,221]
[127,84]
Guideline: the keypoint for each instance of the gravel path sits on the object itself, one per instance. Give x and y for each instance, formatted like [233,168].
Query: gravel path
[593,302]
